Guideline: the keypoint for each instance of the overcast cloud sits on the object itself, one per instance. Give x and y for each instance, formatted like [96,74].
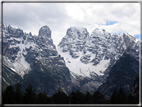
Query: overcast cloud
[113,17]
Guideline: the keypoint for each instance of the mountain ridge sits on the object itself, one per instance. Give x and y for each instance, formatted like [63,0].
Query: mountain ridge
[76,47]
[81,61]
[21,51]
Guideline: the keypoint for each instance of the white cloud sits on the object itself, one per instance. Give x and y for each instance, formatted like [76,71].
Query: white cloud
[60,16]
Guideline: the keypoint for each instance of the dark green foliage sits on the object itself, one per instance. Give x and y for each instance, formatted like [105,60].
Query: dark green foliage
[132,100]
[76,97]
[42,98]
[114,97]
[29,96]
[18,94]
[88,98]
[98,97]
[60,97]
[8,95]
[122,98]
[11,96]
[80,98]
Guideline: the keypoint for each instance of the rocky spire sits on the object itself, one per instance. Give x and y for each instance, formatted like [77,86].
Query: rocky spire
[45,31]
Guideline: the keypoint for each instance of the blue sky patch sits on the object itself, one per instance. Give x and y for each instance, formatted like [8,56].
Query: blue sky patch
[137,36]
[108,22]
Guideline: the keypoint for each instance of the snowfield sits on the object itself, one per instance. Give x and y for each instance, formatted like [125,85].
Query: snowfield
[81,69]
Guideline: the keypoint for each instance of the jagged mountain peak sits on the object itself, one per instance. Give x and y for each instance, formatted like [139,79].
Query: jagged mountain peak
[126,35]
[34,57]
[80,59]
[24,47]
[77,28]
[11,29]
[45,31]
[80,33]
[14,32]
[100,33]
[99,47]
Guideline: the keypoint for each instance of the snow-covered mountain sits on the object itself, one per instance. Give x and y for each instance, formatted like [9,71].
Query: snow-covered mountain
[92,56]
[82,61]
[22,51]
[20,48]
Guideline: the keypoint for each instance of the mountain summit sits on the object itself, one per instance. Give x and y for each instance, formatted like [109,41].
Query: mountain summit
[90,57]
[45,31]
[80,62]
[35,59]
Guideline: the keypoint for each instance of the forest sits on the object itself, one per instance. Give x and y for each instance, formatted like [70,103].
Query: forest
[16,96]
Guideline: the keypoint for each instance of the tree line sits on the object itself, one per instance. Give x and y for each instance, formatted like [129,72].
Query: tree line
[16,96]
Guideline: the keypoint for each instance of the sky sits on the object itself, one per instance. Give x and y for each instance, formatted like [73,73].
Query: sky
[115,18]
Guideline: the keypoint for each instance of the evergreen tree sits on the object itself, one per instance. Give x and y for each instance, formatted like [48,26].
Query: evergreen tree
[60,97]
[106,101]
[29,96]
[72,98]
[18,94]
[42,98]
[98,97]
[8,96]
[122,98]
[88,98]
[131,99]
[80,97]
[76,97]
[51,100]
[114,97]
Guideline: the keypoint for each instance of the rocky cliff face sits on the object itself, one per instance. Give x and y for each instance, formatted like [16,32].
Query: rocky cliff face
[81,61]
[23,53]
[90,57]
[122,75]
[135,89]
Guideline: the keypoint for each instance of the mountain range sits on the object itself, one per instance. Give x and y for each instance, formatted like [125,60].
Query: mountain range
[82,61]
